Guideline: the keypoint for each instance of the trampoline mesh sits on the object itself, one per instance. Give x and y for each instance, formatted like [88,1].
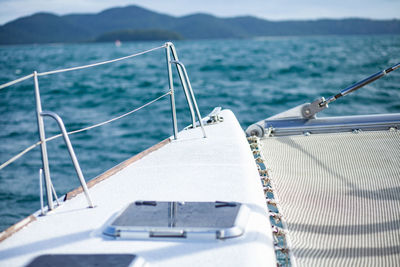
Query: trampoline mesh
[339,195]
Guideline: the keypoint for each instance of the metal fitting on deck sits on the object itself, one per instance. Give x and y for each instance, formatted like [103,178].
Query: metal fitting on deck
[268,189]
[277,231]
[272,202]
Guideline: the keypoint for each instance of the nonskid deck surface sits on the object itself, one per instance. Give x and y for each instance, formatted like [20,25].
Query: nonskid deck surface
[339,195]
[220,167]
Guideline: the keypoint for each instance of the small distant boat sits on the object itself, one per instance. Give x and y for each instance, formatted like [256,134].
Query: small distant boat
[118,43]
[298,191]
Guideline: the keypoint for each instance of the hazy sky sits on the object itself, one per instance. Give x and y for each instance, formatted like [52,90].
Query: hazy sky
[268,9]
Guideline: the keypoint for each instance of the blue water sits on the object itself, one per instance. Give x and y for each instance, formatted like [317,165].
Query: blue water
[254,78]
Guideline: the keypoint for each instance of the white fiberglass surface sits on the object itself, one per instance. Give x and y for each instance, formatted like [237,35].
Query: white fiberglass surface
[217,168]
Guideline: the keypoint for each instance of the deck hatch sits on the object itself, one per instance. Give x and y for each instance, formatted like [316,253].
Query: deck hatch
[98,260]
[151,219]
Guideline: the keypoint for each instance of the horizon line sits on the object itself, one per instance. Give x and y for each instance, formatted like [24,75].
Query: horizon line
[202,13]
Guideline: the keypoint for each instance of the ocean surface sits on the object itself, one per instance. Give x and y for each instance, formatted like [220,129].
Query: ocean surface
[254,78]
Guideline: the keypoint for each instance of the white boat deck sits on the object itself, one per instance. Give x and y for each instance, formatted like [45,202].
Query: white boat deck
[192,168]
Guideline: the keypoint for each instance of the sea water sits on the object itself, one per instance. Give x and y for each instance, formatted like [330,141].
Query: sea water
[255,78]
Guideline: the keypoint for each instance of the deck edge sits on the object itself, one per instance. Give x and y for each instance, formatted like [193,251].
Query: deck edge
[16,227]
[107,174]
[27,220]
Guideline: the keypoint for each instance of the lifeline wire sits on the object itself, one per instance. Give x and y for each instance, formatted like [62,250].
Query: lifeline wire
[11,160]
[99,63]
[16,81]
[2,86]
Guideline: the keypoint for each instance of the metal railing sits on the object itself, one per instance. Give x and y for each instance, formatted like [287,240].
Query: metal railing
[171,58]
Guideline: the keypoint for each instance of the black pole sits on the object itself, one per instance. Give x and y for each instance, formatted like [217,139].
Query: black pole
[360,84]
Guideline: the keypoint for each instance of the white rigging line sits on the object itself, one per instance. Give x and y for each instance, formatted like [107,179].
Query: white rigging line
[99,63]
[11,160]
[2,86]
[16,81]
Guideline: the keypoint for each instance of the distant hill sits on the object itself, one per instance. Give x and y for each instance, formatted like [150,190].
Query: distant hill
[138,35]
[50,28]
